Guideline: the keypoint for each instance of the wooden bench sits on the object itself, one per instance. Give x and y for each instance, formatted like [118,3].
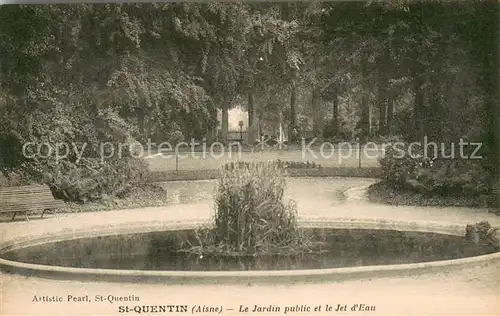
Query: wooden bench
[24,199]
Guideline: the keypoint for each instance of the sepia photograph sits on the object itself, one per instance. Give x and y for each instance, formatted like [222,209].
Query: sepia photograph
[250,158]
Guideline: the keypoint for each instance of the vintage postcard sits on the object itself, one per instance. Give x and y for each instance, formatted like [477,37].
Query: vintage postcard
[250,158]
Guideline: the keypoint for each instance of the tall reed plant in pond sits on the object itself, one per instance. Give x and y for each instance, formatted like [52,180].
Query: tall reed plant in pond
[252,217]
[251,214]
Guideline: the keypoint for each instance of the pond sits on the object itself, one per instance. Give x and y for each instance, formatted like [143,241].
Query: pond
[338,248]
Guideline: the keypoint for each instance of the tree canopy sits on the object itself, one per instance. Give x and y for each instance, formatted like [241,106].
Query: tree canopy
[95,72]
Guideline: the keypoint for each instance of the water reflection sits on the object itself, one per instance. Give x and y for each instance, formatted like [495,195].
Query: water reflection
[336,248]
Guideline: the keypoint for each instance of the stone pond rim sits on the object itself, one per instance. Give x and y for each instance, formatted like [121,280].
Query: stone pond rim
[241,277]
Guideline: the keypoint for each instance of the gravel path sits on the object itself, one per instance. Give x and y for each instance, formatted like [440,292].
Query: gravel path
[463,292]
[196,161]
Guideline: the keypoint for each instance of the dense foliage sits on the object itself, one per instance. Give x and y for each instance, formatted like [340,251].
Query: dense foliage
[121,73]
[418,171]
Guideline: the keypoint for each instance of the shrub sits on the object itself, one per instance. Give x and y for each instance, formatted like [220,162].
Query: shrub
[280,163]
[430,175]
[397,167]
[387,139]
[92,180]
[176,137]
[14,178]
[70,177]
[298,164]
[148,195]
[482,233]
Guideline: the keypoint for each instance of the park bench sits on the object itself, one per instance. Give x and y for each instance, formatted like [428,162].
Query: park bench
[24,199]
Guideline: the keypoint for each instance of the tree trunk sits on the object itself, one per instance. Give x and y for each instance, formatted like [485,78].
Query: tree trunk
[365,106]
[335,116]
[390,114]
[251,109]
[252,129]
[225,122]
[418,106]
[212,129]
[382,100]
[318,118]
[382,118]
[488,55]
[141,118]
[384,71]
[495,156]
[433,125]
[293,115]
